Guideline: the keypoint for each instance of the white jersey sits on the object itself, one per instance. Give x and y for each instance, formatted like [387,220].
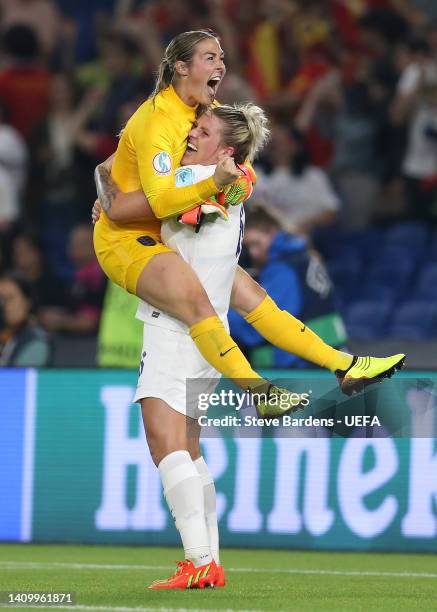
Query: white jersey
[212,253]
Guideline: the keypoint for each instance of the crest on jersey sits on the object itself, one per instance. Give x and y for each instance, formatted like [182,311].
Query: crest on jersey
[162,164]
[184,177]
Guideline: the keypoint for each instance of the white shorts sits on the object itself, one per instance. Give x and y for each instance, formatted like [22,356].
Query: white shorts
[168,359]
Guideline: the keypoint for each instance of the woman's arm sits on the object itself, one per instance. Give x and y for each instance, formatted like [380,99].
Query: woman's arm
[117,205]
[120,206]
[153,146]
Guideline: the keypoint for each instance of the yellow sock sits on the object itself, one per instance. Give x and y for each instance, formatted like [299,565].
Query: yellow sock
[218,348]
[286,332]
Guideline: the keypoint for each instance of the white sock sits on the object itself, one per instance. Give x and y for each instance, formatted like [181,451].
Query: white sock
[210,507]
[183,491]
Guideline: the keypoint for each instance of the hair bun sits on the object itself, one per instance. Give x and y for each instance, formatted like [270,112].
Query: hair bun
[257,124]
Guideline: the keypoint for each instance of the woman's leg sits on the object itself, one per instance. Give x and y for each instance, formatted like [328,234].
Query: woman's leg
[166,433]
[169,283]
[209,495]
[280,328]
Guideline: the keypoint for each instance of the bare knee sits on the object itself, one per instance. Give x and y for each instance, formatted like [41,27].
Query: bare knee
[160,447]
[200,307]
[247,294]
[195,306]
[164,427]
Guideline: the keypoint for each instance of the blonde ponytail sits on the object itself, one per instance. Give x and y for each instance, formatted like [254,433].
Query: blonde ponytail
[257,124]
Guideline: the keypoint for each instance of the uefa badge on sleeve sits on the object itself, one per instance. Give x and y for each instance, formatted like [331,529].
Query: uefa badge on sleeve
[162,164]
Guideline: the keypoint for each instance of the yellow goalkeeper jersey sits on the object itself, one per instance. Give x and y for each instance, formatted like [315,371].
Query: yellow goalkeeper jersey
[149,151]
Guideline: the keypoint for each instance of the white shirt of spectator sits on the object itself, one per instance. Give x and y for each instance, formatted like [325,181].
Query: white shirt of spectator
[61,140]
[411,76]
[298,198]
[421,155]
[13,158]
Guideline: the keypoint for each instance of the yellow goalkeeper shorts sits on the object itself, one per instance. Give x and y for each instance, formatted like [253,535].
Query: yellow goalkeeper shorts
[123,257]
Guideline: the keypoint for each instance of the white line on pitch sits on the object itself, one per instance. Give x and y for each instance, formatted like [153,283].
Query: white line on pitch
[249,570]
[127,609]
[79,566]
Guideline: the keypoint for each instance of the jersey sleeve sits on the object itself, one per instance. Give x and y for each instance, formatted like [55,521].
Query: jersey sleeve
[156,166]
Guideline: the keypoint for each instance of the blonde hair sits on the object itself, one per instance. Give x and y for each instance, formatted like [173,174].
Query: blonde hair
[181,48]
[245,129]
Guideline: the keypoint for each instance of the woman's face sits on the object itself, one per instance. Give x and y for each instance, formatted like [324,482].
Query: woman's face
[204,145]
[16,306]
[204,72]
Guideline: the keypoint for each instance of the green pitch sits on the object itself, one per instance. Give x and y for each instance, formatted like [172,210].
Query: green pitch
[114,579]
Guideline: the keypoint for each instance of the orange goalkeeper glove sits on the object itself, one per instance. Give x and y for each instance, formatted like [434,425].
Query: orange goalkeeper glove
[209,207]
[232,195]
[240,190]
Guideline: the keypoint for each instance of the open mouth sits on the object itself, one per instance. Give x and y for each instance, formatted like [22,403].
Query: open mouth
[191,148]
[212,85]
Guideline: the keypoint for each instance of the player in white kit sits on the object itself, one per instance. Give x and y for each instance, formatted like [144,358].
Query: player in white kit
[169,356]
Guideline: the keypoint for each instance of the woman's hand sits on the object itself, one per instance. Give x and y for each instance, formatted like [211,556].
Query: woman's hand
[95,214]
[226,172]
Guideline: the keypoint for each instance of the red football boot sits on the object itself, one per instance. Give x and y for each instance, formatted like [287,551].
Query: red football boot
[189,577]
[220,580]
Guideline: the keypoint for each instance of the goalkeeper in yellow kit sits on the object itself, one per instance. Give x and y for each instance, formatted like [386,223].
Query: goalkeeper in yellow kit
[133,255]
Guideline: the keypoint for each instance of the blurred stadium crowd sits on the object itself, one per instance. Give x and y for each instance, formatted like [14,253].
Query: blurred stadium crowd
[351,90]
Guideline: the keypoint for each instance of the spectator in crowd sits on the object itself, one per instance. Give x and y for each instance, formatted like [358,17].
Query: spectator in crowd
[22,343]
[61,173]
[381,29]
[28,261]
[53,154]
[299,192]
[415,105]
[294,276]
[119,55]
[41,16]
[354,166]
[80,28]
[420,162]
[414,63]
[86,292]
[13,159]
[356,107]
[24,79]
[117,80]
